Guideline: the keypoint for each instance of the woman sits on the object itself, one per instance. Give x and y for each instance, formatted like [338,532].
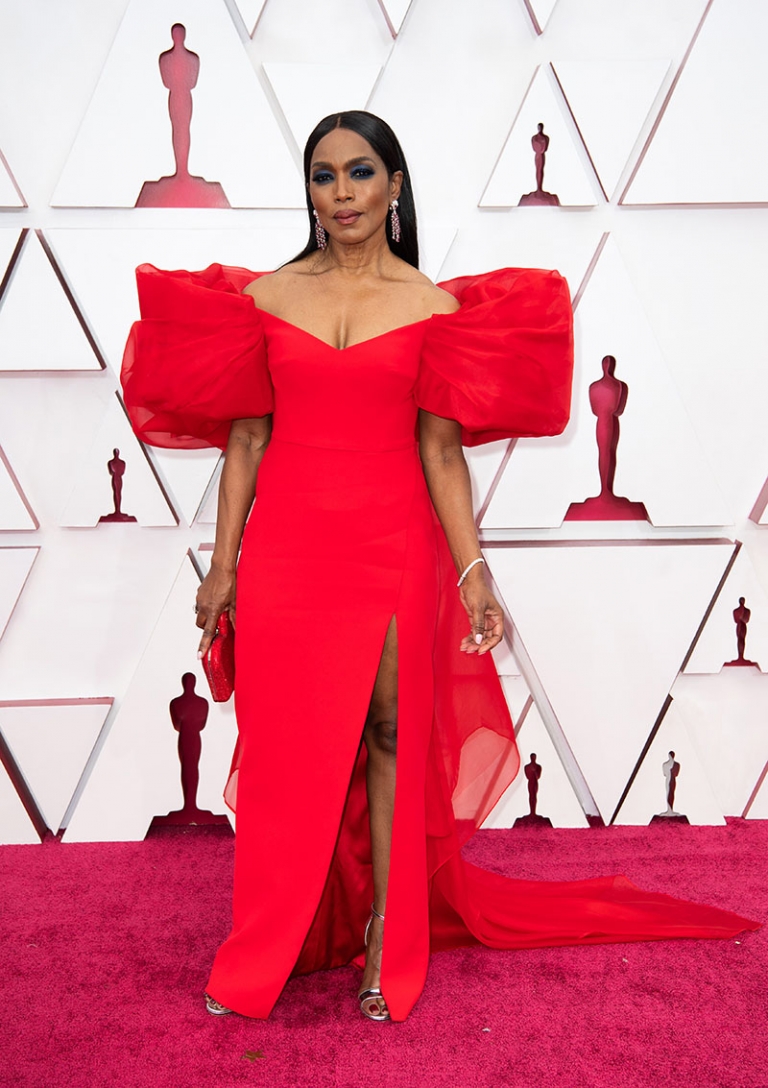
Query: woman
[370,748]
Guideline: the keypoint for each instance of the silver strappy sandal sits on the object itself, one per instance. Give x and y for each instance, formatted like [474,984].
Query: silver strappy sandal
[215,1008]
[373,994]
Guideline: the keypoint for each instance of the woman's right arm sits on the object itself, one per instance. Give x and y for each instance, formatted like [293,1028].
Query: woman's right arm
[248,440]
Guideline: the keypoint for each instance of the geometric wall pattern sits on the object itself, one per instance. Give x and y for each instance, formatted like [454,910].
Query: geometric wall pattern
[627,639]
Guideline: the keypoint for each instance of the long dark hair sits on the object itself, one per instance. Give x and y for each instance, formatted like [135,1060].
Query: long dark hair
[387,146]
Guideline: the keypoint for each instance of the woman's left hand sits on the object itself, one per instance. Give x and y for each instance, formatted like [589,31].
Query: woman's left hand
[485,615]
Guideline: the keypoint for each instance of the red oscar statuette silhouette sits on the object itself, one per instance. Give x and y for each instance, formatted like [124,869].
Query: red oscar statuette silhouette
[539,198]
[533,774]
[670,769]
[116,467]
[179,69]
[189,713]
[741,617]
[608,399]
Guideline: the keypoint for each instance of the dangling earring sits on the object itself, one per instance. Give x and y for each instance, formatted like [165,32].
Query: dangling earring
[395,221]
[320,236]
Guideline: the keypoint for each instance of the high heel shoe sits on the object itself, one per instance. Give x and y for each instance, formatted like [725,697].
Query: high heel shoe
[214,1007]
[372,996]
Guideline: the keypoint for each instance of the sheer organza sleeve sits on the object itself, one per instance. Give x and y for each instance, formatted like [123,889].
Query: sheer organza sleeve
[196,360]
[502,365]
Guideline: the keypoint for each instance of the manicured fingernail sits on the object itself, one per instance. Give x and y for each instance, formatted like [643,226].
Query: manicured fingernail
[478,639]
[199,655]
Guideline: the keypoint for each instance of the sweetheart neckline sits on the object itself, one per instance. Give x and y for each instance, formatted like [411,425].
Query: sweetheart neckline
[349,347]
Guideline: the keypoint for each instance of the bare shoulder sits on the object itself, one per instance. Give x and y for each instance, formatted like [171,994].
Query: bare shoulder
[270,290]
[434,299]
[442,302]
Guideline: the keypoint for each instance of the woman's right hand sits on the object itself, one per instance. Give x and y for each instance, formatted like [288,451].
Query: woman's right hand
[215,595]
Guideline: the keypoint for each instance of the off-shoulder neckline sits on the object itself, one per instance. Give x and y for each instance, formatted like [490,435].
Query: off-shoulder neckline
[332,347]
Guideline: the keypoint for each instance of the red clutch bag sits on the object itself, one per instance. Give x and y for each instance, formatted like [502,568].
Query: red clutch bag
[219,660]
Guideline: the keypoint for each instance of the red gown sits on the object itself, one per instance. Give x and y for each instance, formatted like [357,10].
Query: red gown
[342,538]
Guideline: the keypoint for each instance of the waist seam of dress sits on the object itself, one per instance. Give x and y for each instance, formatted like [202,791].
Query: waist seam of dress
[343,449]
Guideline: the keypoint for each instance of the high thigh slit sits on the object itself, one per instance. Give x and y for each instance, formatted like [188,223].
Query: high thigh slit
[342,539]
[380,739]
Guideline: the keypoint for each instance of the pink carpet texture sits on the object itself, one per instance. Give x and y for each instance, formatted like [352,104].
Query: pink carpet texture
[106,947]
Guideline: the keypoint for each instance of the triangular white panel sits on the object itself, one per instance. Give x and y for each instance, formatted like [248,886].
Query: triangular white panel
[556,798]
[709,148]
[10,197]
[15,511]
[309,92]
[187,474]
[607,628]
[15,565]
[51,745]
[567,173]
[235,139]
[395,12]
[250,10]
[611,101]
[137,774]
[16,828]
[540,11]
[726,718]
[717,643]
[660,460]
[694,796]
[92,498]
[39,328]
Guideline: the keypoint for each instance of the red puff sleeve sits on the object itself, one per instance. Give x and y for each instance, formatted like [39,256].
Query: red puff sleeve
[501,365]
[197,359]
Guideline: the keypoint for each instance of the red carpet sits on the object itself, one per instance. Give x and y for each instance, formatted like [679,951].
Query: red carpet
[106,948]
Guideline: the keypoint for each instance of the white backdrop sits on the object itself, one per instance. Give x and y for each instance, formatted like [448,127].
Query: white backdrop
[657,114]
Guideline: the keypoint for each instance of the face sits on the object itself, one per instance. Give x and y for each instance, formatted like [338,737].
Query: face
[349,186]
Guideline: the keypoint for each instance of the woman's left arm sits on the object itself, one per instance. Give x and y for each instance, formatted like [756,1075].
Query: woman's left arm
[447,477]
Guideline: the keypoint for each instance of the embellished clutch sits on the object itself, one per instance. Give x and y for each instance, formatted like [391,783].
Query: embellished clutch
[219,660]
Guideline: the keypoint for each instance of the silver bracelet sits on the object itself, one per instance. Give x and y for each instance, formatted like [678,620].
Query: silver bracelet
[466,570]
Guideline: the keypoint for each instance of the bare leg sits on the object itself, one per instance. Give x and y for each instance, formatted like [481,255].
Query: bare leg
[380,737]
